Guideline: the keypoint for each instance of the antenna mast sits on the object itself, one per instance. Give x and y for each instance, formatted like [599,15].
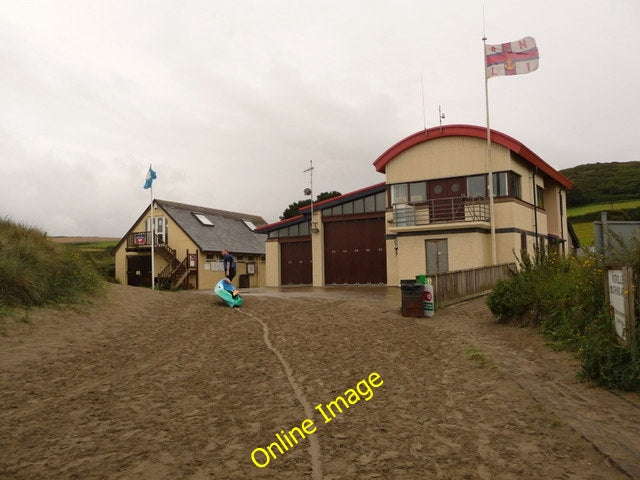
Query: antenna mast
[424,114]
[309,191]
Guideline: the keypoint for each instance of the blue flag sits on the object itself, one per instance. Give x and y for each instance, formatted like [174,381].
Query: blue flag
[151,176]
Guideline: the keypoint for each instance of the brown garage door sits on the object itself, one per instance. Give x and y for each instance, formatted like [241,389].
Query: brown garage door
[355,252]
[139,270]
[295,263]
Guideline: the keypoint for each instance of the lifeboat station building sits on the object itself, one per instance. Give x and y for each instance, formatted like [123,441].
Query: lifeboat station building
[431,215]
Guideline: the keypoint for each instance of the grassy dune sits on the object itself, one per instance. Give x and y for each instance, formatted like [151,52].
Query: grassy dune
[34,270]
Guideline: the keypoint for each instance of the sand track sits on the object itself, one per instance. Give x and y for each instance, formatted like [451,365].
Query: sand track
[156,385]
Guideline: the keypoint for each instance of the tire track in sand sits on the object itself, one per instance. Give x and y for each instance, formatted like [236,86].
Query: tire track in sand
[314,444]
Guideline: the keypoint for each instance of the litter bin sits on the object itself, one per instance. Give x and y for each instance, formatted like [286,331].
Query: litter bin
[412,303]
[427,296]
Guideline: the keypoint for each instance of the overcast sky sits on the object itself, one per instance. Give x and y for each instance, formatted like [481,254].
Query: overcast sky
[230,100]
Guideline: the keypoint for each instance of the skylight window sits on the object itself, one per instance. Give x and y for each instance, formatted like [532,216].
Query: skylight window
[203,219]
[249,224]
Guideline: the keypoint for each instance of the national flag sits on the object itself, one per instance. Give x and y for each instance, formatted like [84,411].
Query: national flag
[151,176]
[513,58]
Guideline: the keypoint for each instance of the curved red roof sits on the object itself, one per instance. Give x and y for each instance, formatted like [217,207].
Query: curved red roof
[470,131]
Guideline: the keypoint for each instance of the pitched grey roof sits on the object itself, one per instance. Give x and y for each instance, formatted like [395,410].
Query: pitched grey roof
[228,231]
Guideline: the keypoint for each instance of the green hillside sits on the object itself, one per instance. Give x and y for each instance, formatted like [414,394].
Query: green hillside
[603,207]
[603,183]
[602,187]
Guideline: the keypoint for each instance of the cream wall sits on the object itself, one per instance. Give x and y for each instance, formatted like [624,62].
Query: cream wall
[555,201]
[512,214]
[272,277]
[526,187]
[208,278]
[464,250]
[446,157]
[121,264]
[317,249]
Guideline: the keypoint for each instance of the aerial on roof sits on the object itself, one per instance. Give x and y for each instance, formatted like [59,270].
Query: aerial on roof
[470,131]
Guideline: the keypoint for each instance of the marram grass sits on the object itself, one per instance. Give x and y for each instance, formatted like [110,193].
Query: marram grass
[35,271]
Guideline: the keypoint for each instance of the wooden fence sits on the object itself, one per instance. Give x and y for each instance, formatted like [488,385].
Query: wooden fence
[459,285]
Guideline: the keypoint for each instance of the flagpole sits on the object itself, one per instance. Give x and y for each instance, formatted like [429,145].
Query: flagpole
[492,219]
[153,238]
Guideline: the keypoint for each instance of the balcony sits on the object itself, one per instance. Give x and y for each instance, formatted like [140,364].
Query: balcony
[139,241]
[441,210]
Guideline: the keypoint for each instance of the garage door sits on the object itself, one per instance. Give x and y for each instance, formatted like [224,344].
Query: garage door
[355,252]
[139,270]
[295,263]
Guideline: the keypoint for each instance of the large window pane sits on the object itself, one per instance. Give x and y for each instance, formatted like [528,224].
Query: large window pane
[476,186]
[370,203]
[539,196]
[515,185]
[418,192]
[399,193]
[500,184]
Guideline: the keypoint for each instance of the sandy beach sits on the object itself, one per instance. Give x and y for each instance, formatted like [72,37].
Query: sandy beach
[166,385]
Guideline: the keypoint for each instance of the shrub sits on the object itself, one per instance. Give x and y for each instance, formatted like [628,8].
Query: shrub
[566,296]
[509,299]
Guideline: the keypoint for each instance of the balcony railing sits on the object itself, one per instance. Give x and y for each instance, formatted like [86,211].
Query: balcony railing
[140,239]
[442,210]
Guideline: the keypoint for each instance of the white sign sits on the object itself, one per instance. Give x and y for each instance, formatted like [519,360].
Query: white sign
[214,266]
[618,301]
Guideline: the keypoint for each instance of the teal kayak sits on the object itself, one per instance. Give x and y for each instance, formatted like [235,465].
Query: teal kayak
[228,293]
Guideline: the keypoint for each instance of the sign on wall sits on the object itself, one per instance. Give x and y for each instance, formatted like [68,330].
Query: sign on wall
[621,297]
[214,266]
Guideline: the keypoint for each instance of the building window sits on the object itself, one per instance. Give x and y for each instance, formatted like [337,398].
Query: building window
[506,184]
[204,220]
[418,192]
[523,242]
[298,230]
[539,196]
[514,185]
[477,186]
[399,193]
[371,203]
[160,225]
[249,224]
[303,228]
[500,185]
